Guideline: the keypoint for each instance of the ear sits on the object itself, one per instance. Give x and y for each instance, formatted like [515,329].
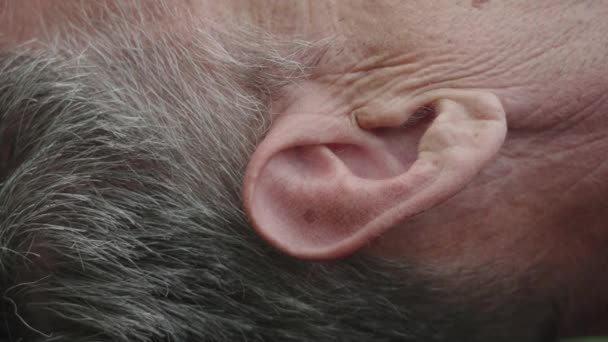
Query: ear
[322,186]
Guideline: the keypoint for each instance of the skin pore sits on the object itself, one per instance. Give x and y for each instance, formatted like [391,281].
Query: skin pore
[541,203]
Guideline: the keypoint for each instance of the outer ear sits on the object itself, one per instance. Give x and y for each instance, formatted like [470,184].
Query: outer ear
[322,186]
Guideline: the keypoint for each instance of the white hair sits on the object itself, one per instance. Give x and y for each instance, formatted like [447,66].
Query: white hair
[122,153]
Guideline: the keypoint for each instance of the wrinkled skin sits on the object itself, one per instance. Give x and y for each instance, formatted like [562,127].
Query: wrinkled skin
[541,202]
[543,199]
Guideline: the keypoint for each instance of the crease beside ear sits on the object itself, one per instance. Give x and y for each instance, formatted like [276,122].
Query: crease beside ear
[318,187]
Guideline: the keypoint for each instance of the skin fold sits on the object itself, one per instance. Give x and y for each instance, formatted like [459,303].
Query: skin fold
[540,203]
[542,200]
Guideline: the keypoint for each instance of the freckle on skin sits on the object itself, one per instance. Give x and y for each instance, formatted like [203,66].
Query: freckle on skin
[479,3]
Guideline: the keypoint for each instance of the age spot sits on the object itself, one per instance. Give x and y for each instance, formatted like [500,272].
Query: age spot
[310,216]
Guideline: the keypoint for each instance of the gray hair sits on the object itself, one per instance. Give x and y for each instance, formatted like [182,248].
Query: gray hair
[122,155]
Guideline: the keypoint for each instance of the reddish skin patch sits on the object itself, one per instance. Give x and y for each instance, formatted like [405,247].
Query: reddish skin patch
[479,3]
[310,216]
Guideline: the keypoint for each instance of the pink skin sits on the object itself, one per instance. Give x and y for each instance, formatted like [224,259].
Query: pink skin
[538,200]
[542,201]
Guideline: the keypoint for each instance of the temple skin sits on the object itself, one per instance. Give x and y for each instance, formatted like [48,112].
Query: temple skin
[541,200]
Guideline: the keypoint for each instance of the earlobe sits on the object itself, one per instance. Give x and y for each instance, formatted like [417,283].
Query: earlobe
[320,187]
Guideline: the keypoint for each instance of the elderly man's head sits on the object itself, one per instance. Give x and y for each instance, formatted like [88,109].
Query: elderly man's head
[202,181]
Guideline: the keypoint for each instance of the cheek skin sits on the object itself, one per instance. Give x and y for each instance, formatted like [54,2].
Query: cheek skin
[547,232]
